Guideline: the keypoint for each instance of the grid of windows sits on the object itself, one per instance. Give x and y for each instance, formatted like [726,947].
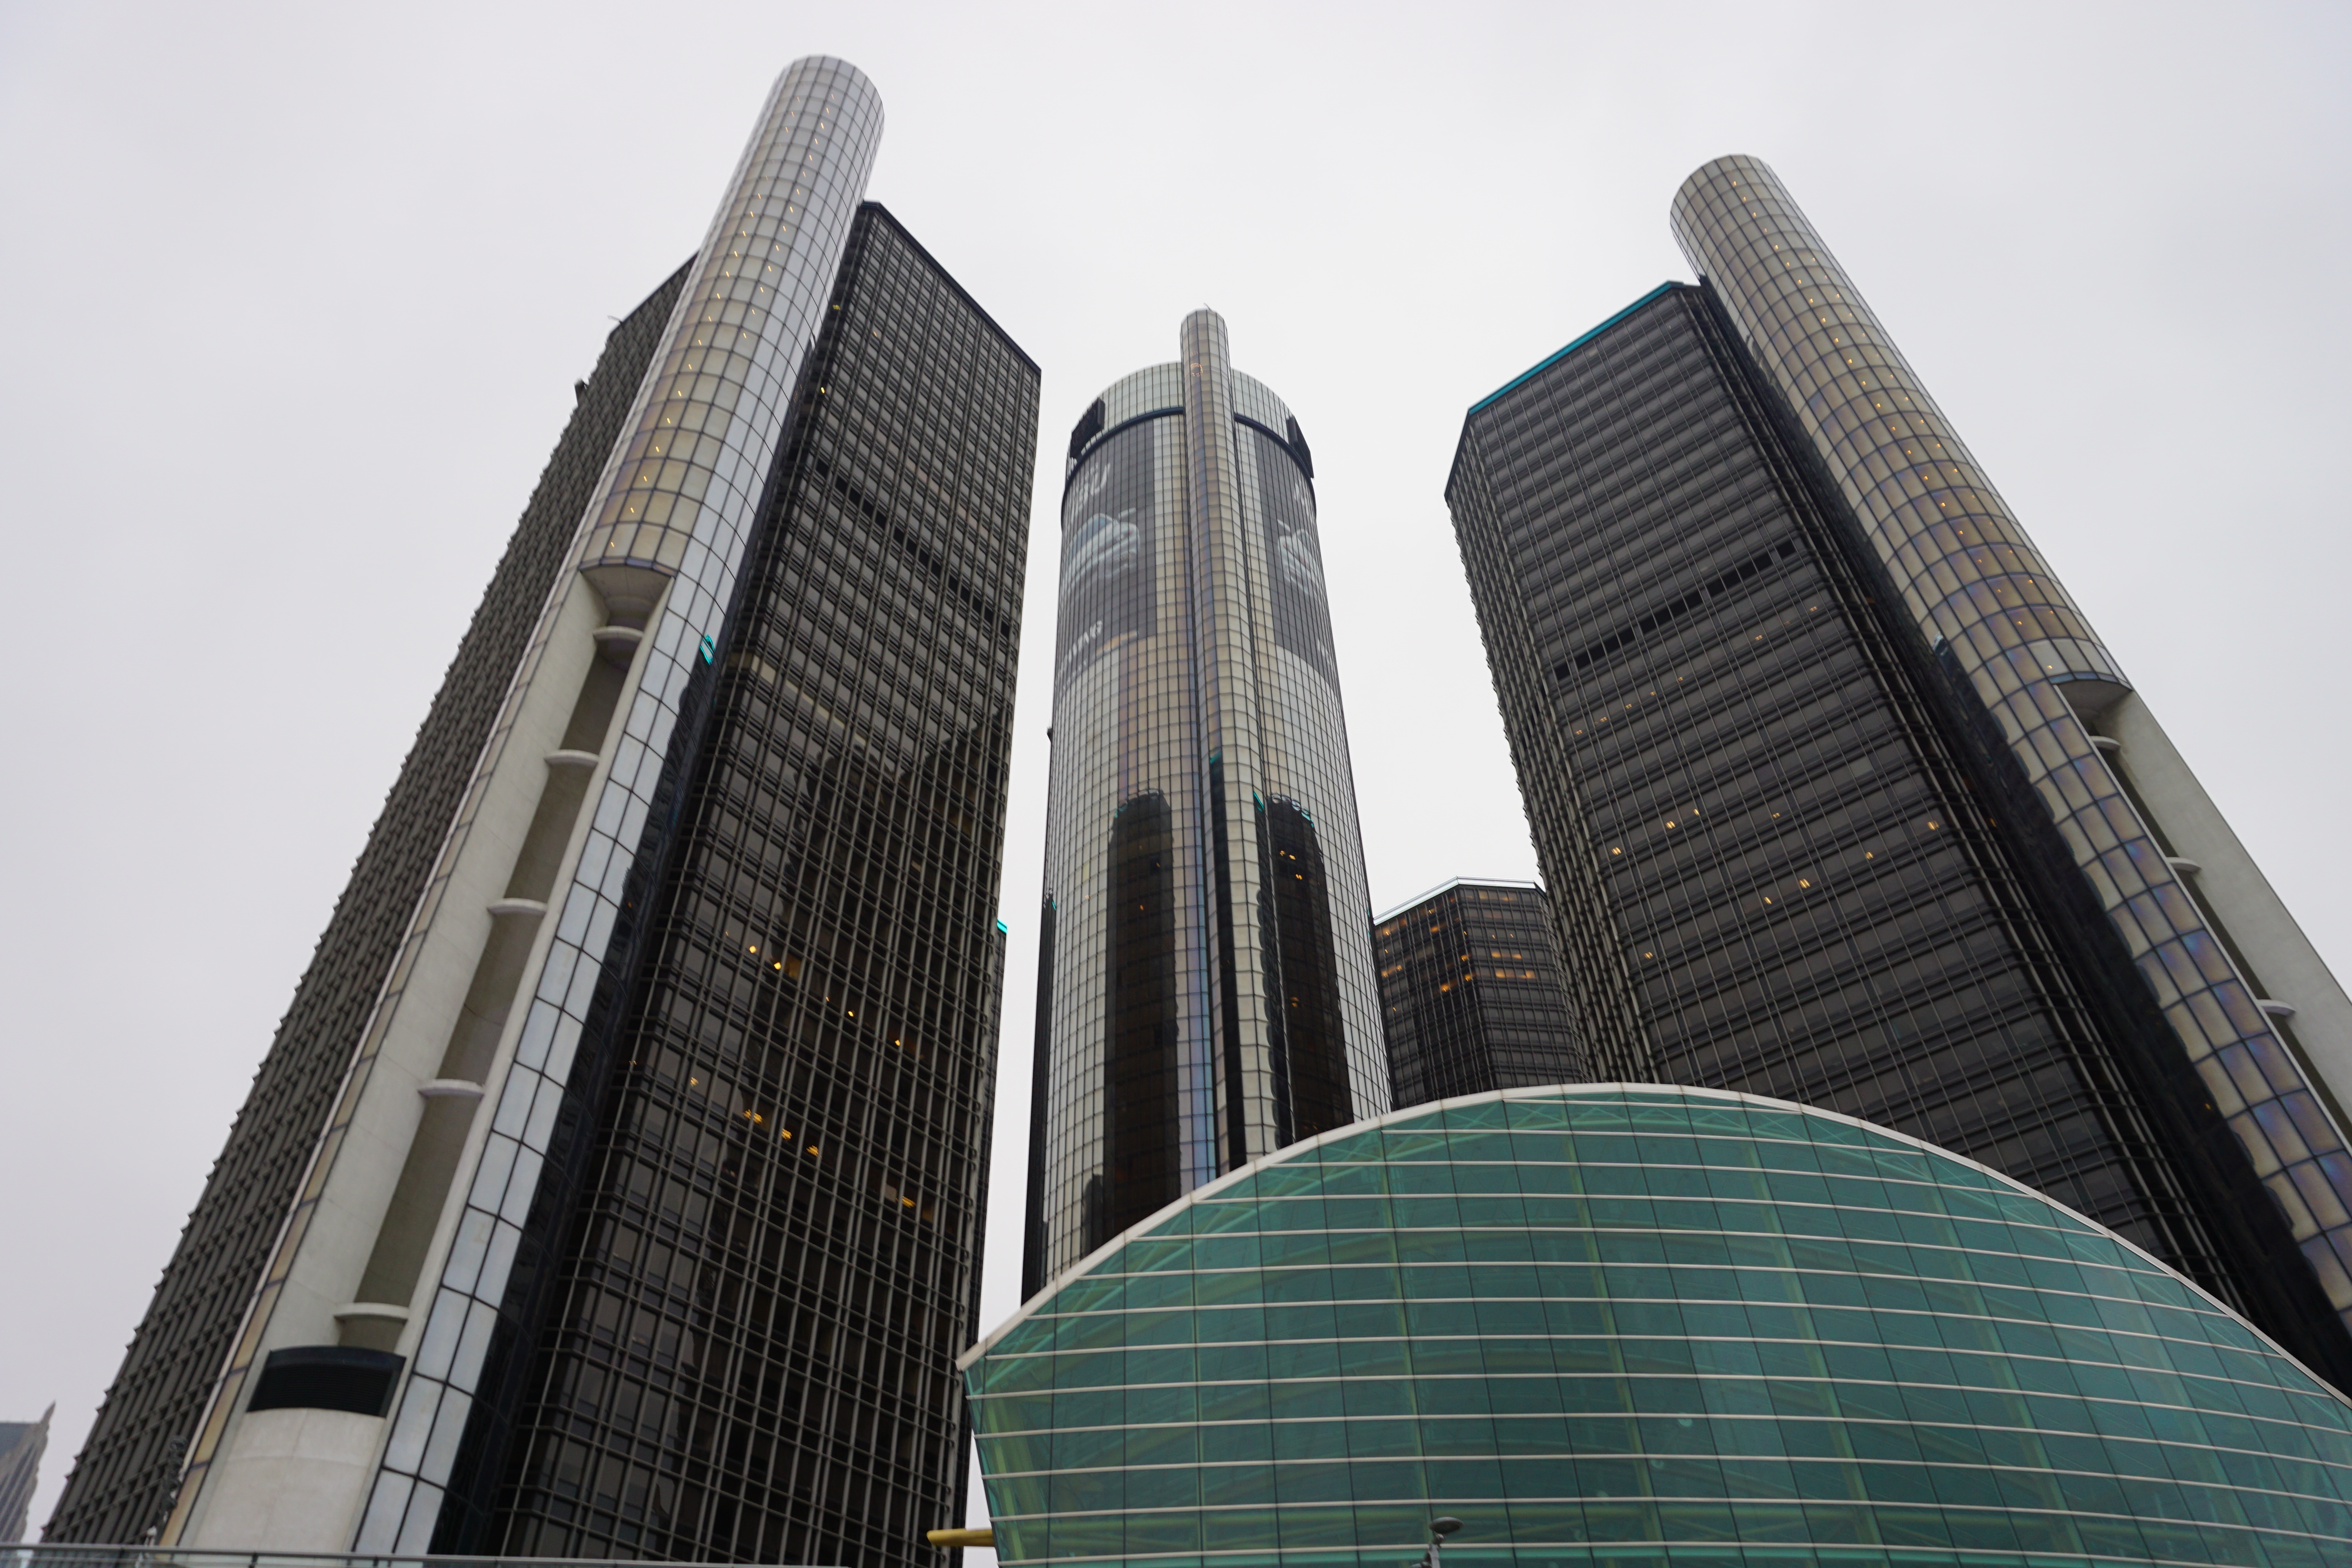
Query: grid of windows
[123,1484]
[1470,989]
[1206,994]
[1123,818]
[1797,892]
[1790,882]
[793,191]
[1643,1326]
[747,1353]
[677,610]
[2010,641]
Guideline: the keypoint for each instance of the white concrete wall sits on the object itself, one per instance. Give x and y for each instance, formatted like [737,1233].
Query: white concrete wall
[286,1482]
[352,1207]
[2233,889]
[303,1492]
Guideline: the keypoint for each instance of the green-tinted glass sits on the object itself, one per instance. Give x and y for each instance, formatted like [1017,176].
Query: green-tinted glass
[1610,1327]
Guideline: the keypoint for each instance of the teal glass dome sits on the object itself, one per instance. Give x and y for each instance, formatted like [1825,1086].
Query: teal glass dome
[1630,1325]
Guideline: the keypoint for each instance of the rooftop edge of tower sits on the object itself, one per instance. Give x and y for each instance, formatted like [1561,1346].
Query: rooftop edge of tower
[1580,340]
[1157,391]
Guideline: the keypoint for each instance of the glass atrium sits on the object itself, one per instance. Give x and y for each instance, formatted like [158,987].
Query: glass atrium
[1645,1325]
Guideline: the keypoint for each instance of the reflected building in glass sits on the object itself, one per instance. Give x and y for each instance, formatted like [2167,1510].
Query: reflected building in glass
[1638,1326]
[1205,991]
[1471,993]
[614,1187]
[1840,800]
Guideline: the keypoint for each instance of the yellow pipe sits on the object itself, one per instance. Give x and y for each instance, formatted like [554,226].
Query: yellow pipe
[960,1537]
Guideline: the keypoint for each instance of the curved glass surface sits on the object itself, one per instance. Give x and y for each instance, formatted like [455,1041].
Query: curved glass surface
[1129,1088]
[709,418]
[1199,788]
[710,411]
[1142,1022]
[1645,1325]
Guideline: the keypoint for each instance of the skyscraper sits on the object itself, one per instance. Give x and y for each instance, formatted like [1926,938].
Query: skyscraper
[1840,801]
[1205,991]
[613,1185]
[123,1484]
[1470,992]
[21,1446]
[742,1345]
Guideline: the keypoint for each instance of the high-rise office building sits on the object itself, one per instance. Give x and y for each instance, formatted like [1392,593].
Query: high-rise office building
[1840,800]
[1205,991]
[1471,993]
[743,1343]
[21,1444]
[123,1484]
[614,1187]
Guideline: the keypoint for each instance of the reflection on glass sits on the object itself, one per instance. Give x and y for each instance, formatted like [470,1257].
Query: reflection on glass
[1312,1051]
[1612,1326]
[1198,745]
[1143,1020]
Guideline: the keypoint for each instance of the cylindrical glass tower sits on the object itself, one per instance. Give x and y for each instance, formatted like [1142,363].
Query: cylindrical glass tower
[1205,989]
[2051,698]
[398,1249]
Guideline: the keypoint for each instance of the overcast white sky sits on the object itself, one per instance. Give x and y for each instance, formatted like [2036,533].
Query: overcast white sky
[293,300]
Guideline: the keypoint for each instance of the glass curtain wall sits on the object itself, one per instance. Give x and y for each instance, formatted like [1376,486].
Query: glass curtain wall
[2033,682]
[770,1251]
[1207,994]
[1642,1326]
[1470,980]
[1790,872]
[123,1481]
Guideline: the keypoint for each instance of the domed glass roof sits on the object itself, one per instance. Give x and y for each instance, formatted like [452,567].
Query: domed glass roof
[1645,1325]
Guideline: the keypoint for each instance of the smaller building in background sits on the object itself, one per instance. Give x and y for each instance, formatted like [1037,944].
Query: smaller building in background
[1470,988]
[21,1445]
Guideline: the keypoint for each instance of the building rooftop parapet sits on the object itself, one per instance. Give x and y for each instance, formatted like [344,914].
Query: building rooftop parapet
[1576,342]
[1448,886]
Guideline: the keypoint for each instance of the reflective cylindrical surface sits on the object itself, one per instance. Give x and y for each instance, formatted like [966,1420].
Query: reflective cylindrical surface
[1208,994]
[1987,603]
[668,534]
[711,410]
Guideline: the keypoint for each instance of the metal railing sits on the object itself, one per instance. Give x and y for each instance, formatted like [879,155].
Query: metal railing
[31,1555]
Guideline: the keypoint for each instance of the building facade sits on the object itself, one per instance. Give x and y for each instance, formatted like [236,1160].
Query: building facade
[123,1482]
[1471,993]
[1645,1325]
[768,1250]
[511,1250]
[21,1444]
[1205,988]
[1840,801]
